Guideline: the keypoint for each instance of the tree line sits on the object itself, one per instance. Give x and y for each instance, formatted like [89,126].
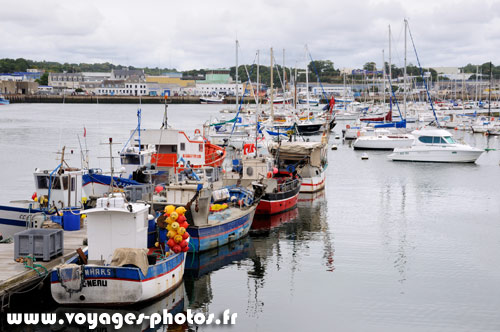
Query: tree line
[319,70]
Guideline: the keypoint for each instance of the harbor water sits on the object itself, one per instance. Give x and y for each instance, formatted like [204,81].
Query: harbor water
[388,246]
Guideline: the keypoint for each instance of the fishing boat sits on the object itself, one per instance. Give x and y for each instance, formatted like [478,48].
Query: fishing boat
[436,145]
[307,159]
[217,214]
[56,191]
[175,302]
[118,268]
[212,100]
[4,101]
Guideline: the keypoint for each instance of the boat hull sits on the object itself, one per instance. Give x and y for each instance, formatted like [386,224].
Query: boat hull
[384,143]
[272,203]
[212,236]
[313,184]
[120,286]
[309,129]
[438,155]
[15,219]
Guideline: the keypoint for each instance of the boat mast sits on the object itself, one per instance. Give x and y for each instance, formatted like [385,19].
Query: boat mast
[477,74]
[390,71]
[383,76]
[404,78]
[272,86]
[307,80]
[295,87]
[284,77]
[489,94]
[257,112]
[236,75]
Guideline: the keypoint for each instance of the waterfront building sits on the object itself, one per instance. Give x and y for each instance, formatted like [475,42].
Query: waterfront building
[65,80]
[123,74]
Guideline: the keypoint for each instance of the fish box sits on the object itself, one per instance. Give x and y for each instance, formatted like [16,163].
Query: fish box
[43,244]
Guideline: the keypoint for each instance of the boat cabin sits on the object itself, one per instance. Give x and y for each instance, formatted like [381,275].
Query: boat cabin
[62,188]
[133,158]
[435,136]
[170,145]
[115,223]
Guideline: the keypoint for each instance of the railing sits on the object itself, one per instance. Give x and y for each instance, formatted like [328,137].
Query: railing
[288,186]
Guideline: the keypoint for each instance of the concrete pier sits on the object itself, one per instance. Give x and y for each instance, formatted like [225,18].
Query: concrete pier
[15,277]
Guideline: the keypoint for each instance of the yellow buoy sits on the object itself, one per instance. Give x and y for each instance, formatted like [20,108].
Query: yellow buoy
[157,244]
[180,210]
[171,234]
[174,215]
[178,238]
[181,230]
[169,209]
[175,225]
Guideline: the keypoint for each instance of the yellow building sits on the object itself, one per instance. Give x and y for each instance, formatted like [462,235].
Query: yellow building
[170,80]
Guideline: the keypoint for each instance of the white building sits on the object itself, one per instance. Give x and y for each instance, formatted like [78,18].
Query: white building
[208,89]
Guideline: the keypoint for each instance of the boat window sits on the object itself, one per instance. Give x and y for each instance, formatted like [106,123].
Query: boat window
[65,182]
[249,171]
[425,139]
[449,139]
[42,182]
[73,184]
[438,140]
[130,159]
[183,146]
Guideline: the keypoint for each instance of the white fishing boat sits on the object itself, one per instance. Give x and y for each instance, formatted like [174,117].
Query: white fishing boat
[383,139]
[118,269]
[308,159]
[436,145]
[212,100]
[55,190]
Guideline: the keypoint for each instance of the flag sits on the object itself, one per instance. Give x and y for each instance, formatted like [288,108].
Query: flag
[84,132]
[332,103]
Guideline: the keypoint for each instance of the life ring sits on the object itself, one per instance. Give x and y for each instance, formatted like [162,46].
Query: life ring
[347,126]
[197,132]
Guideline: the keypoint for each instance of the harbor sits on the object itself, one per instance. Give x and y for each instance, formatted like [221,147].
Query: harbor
[409,257]
[194,166]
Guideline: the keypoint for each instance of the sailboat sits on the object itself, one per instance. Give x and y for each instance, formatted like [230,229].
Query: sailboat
[383,138]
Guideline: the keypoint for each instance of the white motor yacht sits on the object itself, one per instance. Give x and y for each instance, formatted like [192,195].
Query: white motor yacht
[436,145]
[383,139]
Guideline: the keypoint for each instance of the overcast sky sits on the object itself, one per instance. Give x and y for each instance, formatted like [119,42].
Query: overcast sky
[193,34]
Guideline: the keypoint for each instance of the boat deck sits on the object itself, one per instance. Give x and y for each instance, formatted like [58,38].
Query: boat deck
[15,277]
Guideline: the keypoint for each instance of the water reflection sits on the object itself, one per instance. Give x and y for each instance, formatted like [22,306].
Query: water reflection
[175,302]
[199,266]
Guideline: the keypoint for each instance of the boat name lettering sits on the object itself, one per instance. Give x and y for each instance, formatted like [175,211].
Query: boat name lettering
[95,283]
[191,155]
[98,272]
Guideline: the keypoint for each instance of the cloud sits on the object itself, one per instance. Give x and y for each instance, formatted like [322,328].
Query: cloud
[200,34]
